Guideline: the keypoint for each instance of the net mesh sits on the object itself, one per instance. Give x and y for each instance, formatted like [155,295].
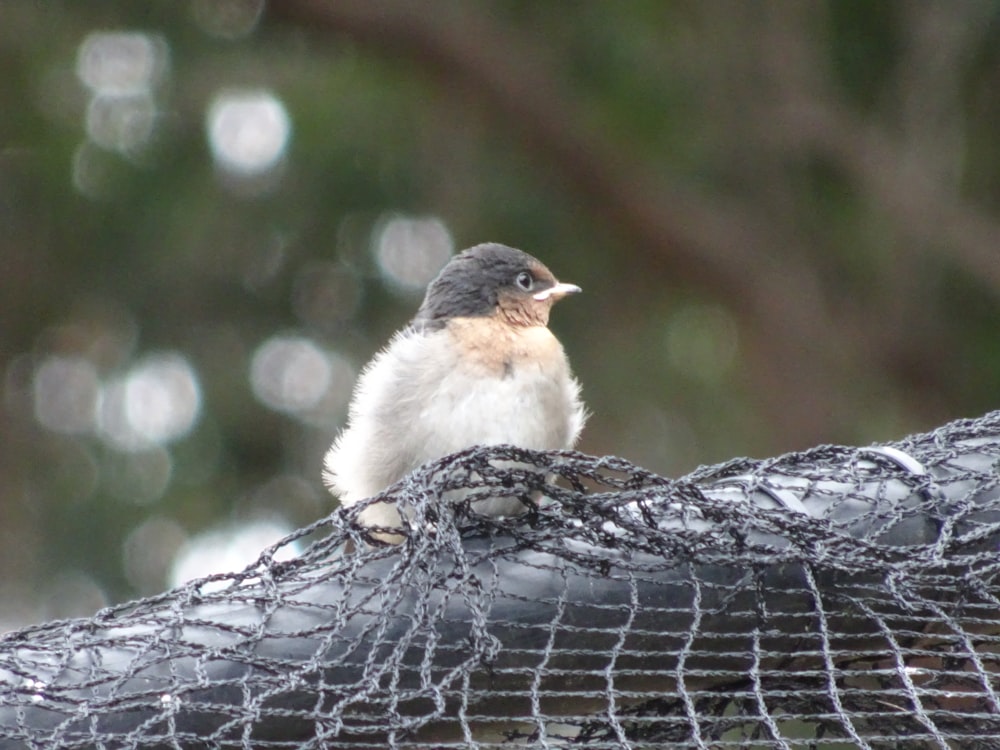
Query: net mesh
[834,598]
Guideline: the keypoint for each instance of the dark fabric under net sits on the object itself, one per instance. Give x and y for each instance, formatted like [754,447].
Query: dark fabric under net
[834,598]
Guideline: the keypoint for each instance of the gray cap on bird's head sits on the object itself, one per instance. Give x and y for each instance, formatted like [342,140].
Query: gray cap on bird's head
[492,279]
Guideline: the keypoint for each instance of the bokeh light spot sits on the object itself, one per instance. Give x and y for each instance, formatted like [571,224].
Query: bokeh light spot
[92,174]
[121,123]
[120,63]
[66,391]
[158,401]
[328,410]
[248,131]
[121,70]
[229,550]
[163,398]
[297,497]
[293,374]
[148,552]
[72,593]
[410,251]
[138,476]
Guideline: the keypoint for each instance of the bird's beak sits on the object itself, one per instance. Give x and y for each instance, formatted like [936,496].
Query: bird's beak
[557,291]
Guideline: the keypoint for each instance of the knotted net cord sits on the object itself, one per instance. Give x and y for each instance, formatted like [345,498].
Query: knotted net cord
[834,598]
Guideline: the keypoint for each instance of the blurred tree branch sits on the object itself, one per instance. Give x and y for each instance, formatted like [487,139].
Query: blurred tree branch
[910,168]
[717,246]
[801,348]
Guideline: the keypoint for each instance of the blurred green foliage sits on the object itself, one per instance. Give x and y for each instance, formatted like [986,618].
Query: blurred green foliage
[784,218]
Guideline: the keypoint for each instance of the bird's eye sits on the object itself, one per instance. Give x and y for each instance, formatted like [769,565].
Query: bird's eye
[525,281]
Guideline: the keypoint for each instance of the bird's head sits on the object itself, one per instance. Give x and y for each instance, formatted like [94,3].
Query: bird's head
[493,280]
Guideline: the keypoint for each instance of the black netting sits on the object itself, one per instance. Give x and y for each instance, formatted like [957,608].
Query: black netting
[835,598]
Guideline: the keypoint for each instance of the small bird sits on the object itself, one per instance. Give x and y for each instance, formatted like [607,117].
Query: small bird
[477,365]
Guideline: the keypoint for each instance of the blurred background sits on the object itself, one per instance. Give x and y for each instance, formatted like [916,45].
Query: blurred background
[784,217]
